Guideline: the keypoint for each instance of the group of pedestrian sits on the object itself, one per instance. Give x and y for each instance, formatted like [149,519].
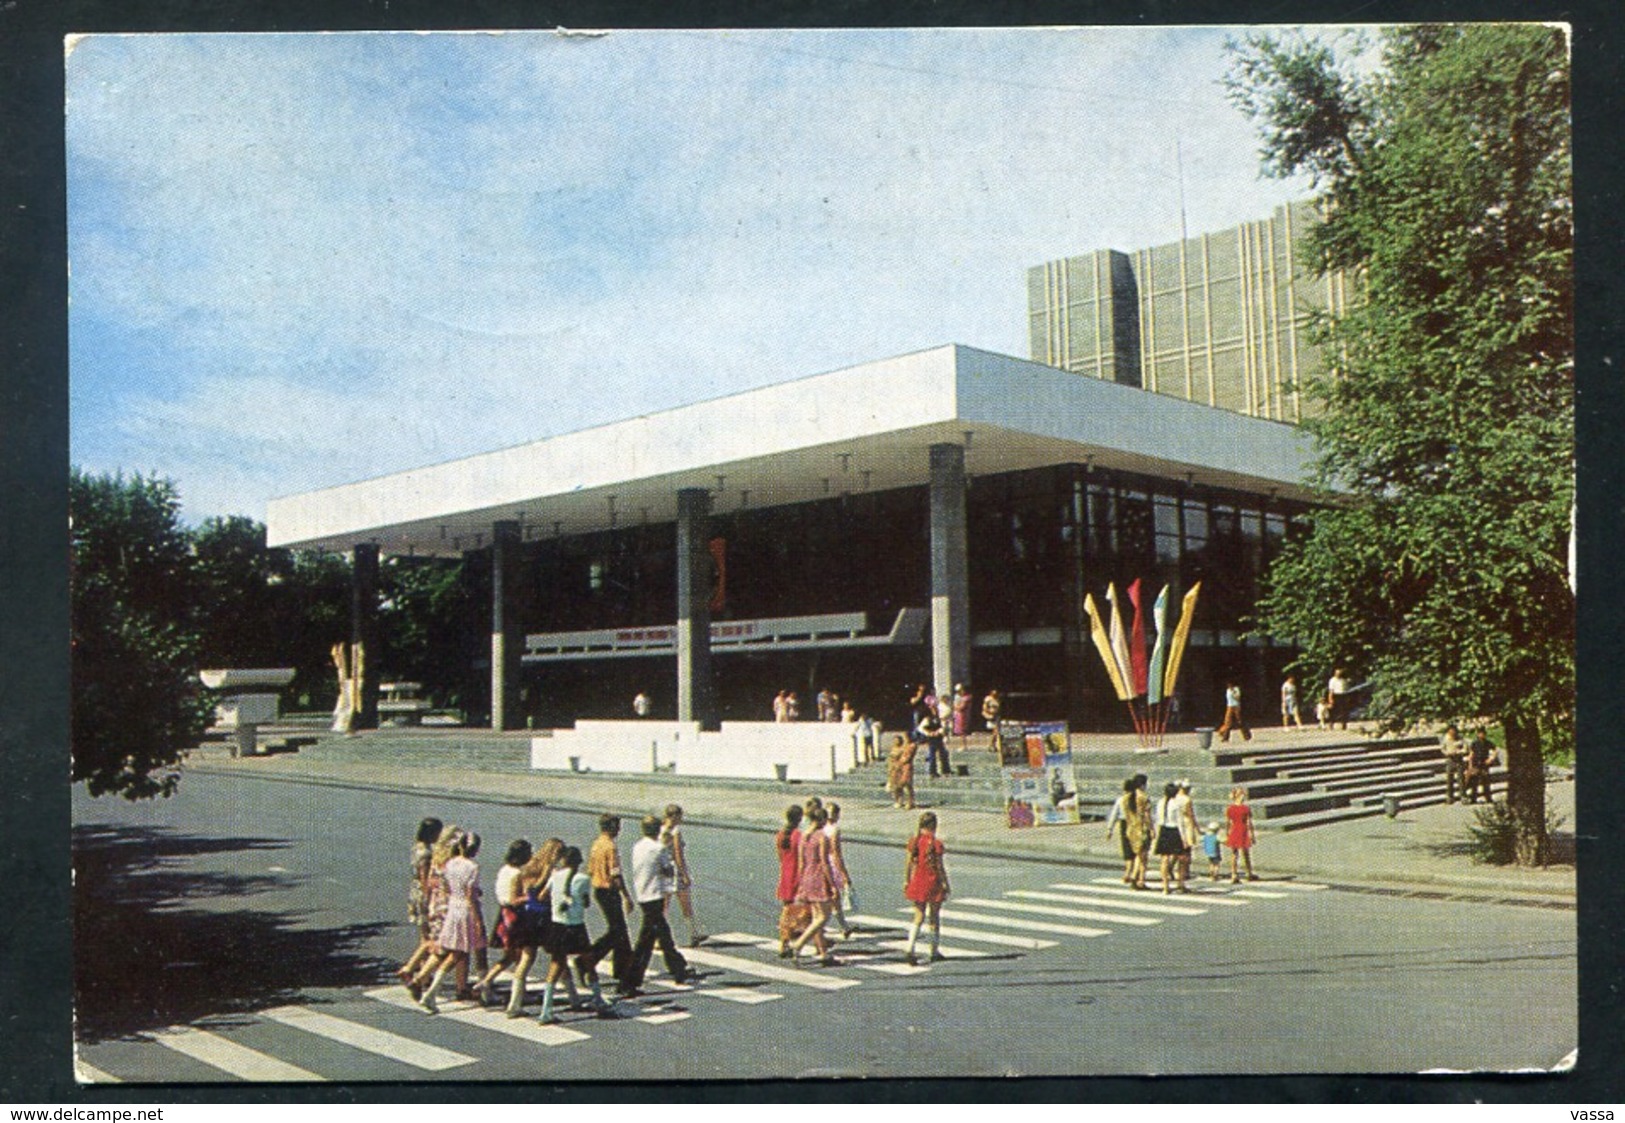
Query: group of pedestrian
[543,895]
[814,883]
[1467,764]
[936,715]
[1331,706]
[1171,832]
[815,886]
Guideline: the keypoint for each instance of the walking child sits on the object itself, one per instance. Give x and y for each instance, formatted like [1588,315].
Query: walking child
[1210,847]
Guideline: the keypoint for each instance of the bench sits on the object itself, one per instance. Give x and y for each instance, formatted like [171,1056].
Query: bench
[399,704]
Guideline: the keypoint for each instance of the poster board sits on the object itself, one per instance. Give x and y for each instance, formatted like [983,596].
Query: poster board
[1039,789]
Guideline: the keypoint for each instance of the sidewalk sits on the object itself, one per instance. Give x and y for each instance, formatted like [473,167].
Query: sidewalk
[1422,852]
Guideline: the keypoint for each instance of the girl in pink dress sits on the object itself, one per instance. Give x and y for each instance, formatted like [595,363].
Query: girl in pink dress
[815,887]
[837,864]
[463,931]
[925,885]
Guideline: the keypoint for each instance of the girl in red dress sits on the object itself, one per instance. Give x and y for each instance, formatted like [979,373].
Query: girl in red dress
[1241,837]
[925,885]
[788,844]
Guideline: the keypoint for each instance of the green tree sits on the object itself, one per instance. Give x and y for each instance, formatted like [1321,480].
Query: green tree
[429,627]
[1440,573]
[137,701]
[239,593]
[259,606]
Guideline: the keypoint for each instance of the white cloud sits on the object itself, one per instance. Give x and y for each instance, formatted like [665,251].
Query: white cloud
[362,253]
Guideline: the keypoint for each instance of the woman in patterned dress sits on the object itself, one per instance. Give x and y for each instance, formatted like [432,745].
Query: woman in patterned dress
[417,895]
[462,932]
[435,901]
[925,885]
[815,887]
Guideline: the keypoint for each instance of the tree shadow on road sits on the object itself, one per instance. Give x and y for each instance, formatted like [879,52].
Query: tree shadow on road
[153,945]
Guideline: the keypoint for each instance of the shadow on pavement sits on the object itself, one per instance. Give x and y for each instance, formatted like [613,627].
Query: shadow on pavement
[158,943]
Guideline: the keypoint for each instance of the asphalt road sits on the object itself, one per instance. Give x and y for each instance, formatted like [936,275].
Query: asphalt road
[247,929]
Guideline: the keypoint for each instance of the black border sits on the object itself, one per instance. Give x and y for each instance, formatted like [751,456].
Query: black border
[35,949]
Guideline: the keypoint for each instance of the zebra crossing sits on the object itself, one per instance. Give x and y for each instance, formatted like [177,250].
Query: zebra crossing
[740,969]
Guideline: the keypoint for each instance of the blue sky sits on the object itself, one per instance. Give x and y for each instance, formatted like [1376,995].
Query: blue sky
[298,260]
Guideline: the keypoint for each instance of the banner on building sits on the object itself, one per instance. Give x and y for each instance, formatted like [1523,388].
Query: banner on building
[1039,789]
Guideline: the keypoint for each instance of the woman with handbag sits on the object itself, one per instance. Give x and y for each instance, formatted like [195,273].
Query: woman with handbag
[510,899]
[925,886]
[837,864]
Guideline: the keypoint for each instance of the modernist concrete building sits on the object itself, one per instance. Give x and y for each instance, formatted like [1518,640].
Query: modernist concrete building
[933,518]
[1220,318]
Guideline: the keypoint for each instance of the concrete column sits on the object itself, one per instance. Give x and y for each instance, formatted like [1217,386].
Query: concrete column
[694,694]
[364,630]
[950,569]
[1075,639]
[505,641]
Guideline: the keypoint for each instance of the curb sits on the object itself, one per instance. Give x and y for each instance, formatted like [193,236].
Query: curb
[1423,888]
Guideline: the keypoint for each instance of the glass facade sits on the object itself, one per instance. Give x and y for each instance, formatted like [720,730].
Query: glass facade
[1038,542]
[1221,318]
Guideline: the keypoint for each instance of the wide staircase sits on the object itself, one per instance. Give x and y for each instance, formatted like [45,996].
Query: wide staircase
[1334,778]
[1306,780]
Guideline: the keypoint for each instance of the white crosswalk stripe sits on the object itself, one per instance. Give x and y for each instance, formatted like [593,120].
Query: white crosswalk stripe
[923,949]
[418,1054]
[1115,888]
[744,996]
[229,1057]
[495,1020]
[662,1018]
[960,933]
[895,968]
[1023,923]
[798,976]
[1053,910]
[1259,894]
[1300,886]
[1087,897]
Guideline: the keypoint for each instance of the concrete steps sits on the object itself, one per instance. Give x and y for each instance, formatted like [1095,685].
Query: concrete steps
[1290,787]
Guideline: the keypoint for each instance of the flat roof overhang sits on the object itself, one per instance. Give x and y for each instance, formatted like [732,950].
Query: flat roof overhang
[864,428]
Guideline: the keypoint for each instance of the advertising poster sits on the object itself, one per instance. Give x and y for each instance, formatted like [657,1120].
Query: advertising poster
[1037,764]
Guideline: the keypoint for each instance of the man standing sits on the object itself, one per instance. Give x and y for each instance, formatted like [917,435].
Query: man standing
[654,878]
[936,744]
[1480,759]
[1338,691]
[609,890]
[1455,763]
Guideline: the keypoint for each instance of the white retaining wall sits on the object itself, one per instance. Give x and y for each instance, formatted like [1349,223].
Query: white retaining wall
[613,746]
[742,749]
